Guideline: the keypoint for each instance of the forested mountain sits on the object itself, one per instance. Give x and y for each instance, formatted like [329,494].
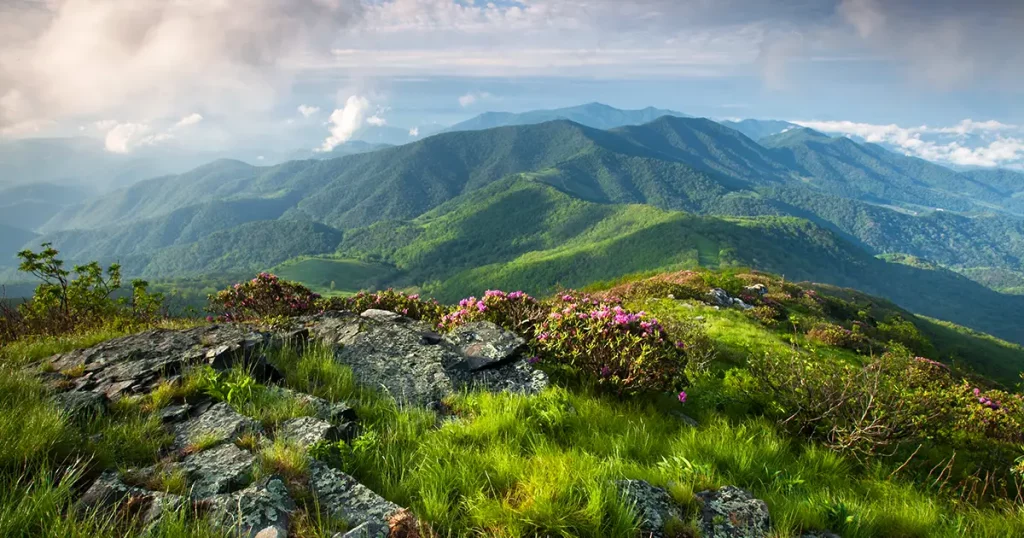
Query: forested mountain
[758,129]
[865,200]
[596,115]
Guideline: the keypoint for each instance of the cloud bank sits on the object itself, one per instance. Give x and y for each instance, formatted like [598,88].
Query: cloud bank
[969,143]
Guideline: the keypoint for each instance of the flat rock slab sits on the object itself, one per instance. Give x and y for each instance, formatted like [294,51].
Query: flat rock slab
[259,511]
[342,497]
[134,364]
[110,492]
[219,424]
[221,469]
[398,358]
[486,345]
[308,431]
[732,512]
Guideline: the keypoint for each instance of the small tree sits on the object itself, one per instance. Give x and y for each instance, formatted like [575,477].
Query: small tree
[66,300]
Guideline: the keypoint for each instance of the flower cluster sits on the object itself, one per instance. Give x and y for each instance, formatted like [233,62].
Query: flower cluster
[622,351]
[515,311]
[836,335]
[412,306]
[262,297]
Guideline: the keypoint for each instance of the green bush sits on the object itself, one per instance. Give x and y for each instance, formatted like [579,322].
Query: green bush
[71,300]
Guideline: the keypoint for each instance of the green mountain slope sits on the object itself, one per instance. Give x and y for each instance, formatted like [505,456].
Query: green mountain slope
[11,241]
[522,233]
[250,247]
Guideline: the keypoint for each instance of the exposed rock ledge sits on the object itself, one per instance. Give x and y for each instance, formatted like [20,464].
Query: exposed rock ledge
[403,357]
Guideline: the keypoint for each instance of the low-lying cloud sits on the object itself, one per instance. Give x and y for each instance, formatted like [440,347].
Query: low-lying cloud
[968,143]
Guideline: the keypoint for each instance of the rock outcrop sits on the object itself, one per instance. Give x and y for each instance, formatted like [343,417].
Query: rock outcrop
[408,360]
[732,512]
[213,443]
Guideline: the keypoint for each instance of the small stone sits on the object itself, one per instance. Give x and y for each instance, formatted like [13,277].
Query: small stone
[732,512]
[173,414]
[308,431]
[222,469]
[382,316]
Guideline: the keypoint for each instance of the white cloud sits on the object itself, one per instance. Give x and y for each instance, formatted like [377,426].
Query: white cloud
[146,58]
[376,121]
[125,137]
[191,119]
[471,98]
[414,132]
[308,110]
[346,121]
[934,144]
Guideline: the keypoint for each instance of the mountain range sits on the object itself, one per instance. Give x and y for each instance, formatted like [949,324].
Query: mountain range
[560,203]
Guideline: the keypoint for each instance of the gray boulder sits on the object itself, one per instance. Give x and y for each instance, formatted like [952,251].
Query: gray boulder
[342,497]
[135,364]
[219,424]
[221,469]
[732,512]
[399,359]
[259,511]
[381,315]
[652,505]
[486,345]
[308,431]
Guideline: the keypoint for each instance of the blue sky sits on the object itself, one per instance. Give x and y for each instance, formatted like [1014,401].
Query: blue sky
[132,73]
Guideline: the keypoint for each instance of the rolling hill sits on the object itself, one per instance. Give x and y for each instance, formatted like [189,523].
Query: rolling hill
[401,206]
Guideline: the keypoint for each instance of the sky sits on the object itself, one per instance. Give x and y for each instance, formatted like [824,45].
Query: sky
[940,79]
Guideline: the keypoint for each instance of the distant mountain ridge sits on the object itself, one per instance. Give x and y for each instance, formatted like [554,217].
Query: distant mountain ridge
[595,115]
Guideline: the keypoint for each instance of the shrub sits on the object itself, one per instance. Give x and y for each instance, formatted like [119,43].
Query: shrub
[835,335]
[622,351]
[70,300]
[515,311]
[263,297]
[411,306]
[767,314]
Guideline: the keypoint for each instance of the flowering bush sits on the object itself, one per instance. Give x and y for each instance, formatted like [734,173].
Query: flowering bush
[515,311]
[622,351]
[262,297]
[835,335]
[411,306]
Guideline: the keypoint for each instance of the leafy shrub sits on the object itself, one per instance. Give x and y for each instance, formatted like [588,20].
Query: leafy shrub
[411,306]
[905,332]
[263,297]
[69,300]
[835,335]
[767,314]
[622,351]
[515,311]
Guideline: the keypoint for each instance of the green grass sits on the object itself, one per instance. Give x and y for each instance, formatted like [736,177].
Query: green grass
[330,276]
[505,465]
